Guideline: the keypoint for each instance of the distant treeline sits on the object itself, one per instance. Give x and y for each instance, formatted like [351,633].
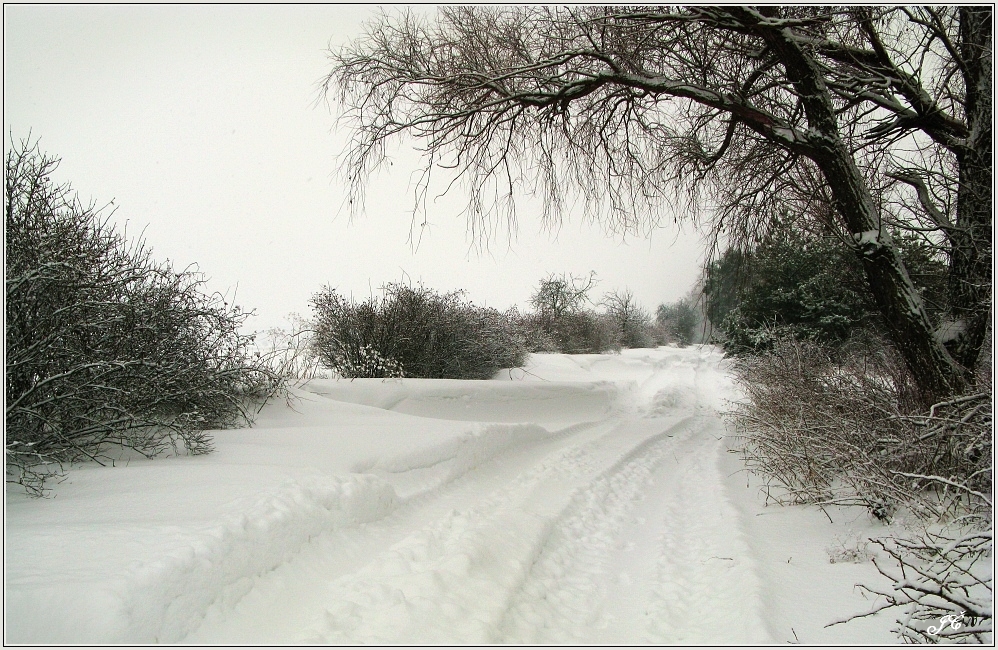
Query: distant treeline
[418,332]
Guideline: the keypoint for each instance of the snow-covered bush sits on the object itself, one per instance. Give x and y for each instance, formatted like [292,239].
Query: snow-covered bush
[845,425]
[364,361]
[106,347]
[538,338]
[587,332]
[943,582]
[414,332]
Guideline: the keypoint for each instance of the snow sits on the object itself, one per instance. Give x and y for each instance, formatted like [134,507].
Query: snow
[581,499]
[951,330]
[867,241]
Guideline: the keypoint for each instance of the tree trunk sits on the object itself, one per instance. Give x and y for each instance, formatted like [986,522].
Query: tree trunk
[899,302]
[971,243]
[934,369]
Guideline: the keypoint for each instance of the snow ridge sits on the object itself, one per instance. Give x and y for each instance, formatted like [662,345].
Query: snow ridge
[172,595]
[169,596]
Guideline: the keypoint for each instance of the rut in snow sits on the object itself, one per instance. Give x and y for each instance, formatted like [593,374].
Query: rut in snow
[647,554]
[615,531]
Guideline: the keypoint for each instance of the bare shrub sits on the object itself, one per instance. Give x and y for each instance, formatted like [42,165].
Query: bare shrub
[587,332]
[846,426]
[415,332]
[943,581]
[659,335]
[106,347]
[538,337]
[578,332]
[290,352]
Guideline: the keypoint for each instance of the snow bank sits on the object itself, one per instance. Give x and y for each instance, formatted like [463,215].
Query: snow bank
[169,596]
[175,571]
[550,402]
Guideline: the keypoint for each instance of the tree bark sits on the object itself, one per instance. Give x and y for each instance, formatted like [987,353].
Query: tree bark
[971,251]
[934,369]
[899,302]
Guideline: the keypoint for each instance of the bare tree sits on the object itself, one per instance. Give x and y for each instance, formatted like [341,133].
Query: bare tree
[557,295]
[866,119]
[631,319]
[562,322]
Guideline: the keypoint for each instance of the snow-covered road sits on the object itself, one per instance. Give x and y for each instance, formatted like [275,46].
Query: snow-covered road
[587,500]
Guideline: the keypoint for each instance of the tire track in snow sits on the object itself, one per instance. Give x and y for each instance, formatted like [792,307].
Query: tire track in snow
[560,600]
[539,558]
[452,581]
[650,554]
[706,590]
[336,552]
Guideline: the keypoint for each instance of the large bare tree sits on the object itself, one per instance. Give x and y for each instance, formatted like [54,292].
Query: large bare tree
[865,120]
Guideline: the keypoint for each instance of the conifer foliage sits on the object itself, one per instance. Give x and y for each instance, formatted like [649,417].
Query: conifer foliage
[801,285]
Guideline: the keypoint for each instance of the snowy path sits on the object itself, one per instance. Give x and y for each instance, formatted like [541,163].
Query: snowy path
[589,501]
[534,561]
[614,532]
[643,552]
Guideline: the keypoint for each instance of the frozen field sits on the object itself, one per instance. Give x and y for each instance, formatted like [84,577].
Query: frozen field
[583,499]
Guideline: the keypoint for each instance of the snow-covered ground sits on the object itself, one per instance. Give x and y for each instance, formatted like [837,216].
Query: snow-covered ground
[583,499]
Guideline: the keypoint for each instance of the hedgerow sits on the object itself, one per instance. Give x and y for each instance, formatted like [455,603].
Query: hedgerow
[107,348]
[845,425]
[414,332]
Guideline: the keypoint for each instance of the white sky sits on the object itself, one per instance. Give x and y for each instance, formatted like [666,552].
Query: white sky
[201,123]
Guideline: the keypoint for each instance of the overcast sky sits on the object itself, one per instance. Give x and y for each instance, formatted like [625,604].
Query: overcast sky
[200,122]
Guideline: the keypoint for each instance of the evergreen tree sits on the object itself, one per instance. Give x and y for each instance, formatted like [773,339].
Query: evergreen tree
[804,286]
